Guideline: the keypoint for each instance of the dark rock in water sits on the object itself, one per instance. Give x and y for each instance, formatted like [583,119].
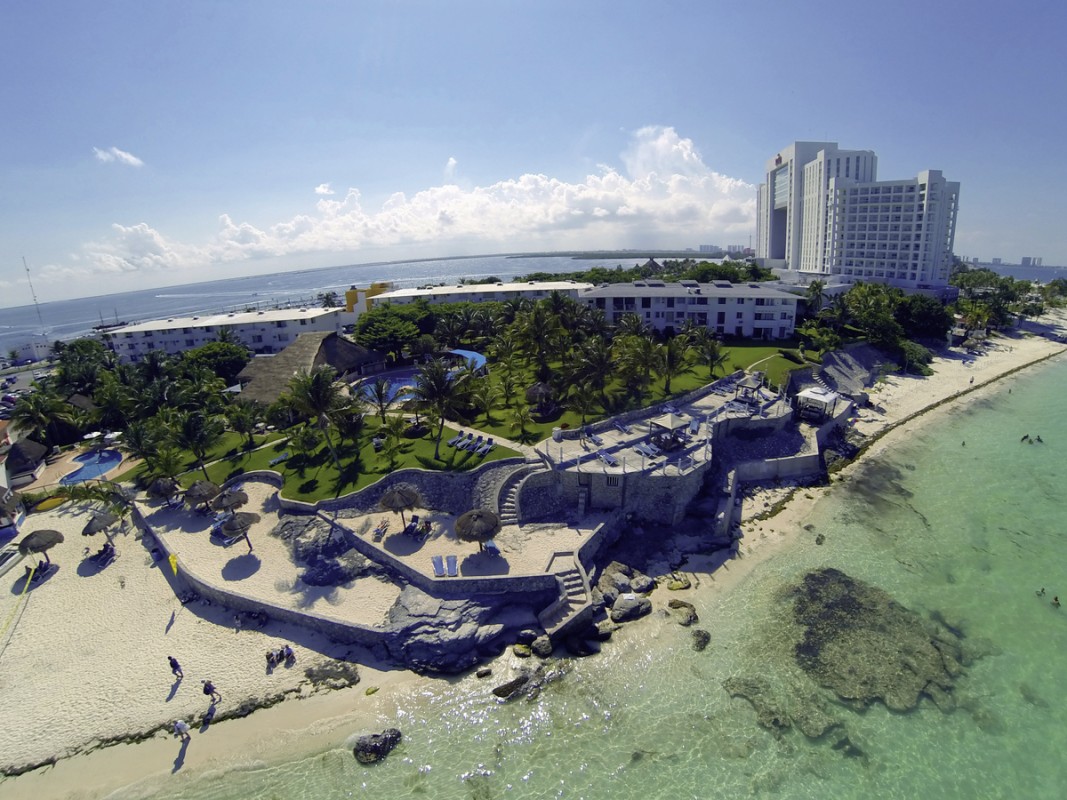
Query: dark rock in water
[630,607]
[820,539]
[1031,696]
[522,650]
[506,690]
[866,647]
[484,672]
[333,674]
[678,583]
[701,639]
[641,583]
[580,646]
[603,630]
[374,747]
[526,636]
[770,713]
[848,749]
[542,647]
[687,612]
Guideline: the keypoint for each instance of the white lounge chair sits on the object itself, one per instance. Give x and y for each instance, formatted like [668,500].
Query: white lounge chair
[453,566]
[455,439]
[485,448]
[438,566]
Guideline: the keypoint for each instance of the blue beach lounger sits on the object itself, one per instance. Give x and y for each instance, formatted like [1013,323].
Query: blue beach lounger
[455,439]
[453,566]
[438,566]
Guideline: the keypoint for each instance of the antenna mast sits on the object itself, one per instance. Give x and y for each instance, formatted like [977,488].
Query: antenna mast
[33,294]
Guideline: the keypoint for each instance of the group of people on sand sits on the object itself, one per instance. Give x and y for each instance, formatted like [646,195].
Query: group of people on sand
[283,655]
[181,727]
[1055,600]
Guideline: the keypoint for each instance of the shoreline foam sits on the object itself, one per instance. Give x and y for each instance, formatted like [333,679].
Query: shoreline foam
[312,724]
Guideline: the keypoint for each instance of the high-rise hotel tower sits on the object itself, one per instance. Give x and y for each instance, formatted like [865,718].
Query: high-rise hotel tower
[822,211]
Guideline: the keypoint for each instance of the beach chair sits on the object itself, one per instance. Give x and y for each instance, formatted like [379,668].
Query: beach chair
[607,458]
[475,445]
[282,457]
[485,448]
[455,439]
[694,427]
[438,566]
[492,549]
[412,525]
[453,566]
[598,441]
[622,428]
[462,440]
[380,530]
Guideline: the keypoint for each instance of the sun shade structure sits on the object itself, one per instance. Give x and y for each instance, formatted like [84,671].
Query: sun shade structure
[201,492]
[477,525]
[100,521]
[40,542]
[164,487]
[399,499]
[240,523]
[229,500]
[670,422]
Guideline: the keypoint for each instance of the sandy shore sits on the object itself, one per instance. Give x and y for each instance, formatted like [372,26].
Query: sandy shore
[89,662]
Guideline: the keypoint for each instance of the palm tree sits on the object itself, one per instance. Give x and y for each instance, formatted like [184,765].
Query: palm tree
[166,462]
[708,351]
[38,416]
[815,296]
[378,393]
[349,423]
[673,361]
[638,359]
[243,418]
[197,433]
[582,401]
[484,396]
[320,397]
[520,419]
[442,391]
[630,325]
[595,366]
[143,439]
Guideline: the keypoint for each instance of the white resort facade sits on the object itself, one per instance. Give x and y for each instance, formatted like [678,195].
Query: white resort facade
[823,212]
[263,332]
[751,310]
[480,292]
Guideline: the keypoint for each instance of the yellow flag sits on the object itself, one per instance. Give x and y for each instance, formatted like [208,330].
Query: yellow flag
[173,563]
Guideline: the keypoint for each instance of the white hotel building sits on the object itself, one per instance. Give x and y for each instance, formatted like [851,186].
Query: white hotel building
[751,310]
[262,332]
[479,292]
[823,212]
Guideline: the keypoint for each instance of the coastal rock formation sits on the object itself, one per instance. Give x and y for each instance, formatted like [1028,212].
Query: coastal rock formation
[687,613]
[372,748]
[434,635]
[701,639]
[330,560]
[542,646]
[630,607]
[866,647]
[776,712]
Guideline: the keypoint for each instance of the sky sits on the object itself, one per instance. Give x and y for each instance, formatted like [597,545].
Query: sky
[155,144]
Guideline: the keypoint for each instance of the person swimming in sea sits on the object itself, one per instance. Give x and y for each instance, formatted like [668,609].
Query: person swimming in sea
[1041,593]
[1055,602]
[1026,438]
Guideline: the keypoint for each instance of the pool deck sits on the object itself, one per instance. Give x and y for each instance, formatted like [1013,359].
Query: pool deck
[66,464]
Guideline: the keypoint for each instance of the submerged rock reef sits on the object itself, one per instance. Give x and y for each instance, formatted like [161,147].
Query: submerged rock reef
[857,641]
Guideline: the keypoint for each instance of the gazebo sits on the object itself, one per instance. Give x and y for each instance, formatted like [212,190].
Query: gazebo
[665,428]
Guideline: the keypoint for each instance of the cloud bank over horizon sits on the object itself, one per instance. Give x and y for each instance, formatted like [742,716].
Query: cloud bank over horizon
[663,195]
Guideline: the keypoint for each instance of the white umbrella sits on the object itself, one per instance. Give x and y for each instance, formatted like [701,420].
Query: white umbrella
[92,435]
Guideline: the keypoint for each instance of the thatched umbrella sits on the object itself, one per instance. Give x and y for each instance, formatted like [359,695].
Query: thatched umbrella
[540,394]
[229,500]
[40,542]
[400,498]
[478,526]
[164,487]
[201,492]
[100,521]
[238,525]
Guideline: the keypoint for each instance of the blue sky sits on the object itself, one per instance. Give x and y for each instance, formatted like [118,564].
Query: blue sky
[150,144]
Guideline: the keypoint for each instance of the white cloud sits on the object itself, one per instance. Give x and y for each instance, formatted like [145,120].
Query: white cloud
[450,168]
[113,154]
[665,196]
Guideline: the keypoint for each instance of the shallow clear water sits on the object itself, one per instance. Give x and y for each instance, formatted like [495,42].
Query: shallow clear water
[969,530]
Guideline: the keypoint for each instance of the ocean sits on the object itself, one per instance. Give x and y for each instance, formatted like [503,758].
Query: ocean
[968,531]
[69,319]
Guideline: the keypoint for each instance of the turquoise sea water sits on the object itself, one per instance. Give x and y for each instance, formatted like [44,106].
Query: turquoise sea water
[968,530]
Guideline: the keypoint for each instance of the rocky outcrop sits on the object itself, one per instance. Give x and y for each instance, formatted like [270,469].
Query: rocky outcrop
[329,559]
[373,747]
[701,639]
[433,635]
[685,613]
[629,607]
[860,643]
[778,712]
[528,682]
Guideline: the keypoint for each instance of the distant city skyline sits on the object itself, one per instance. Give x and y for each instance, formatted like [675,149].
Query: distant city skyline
[160,145]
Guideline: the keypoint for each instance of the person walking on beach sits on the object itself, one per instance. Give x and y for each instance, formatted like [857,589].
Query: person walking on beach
[212,692]
[181,729]
[175,667]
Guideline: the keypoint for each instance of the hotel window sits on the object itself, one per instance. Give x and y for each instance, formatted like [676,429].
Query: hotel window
[740,315]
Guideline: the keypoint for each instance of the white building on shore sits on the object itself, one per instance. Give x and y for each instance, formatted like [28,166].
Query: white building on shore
[480,292]
[751,310]
[263,332]
[823,212]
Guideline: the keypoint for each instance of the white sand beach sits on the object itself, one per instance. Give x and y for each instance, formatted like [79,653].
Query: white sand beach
[83,656]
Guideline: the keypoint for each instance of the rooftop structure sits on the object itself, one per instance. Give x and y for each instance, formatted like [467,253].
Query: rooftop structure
[264,332]
[481,292]
[751,310]
[822,211]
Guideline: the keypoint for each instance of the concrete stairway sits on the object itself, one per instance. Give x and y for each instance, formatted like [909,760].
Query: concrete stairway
[508,498]
[574,594]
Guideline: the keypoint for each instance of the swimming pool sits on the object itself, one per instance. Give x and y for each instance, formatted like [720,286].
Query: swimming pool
[400,382]
[93,465]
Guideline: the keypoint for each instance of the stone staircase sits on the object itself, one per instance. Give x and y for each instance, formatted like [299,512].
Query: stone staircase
[574,594]
[508,498]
